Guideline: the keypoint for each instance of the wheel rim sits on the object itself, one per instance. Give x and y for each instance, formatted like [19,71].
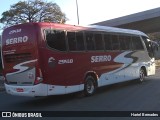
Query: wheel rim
[90,87]
[142,75]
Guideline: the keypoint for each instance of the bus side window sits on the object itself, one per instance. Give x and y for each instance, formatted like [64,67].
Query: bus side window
[71,41]
[90,40]
[115,42]
[122,40]
[56,39]
[128,41]
[80,41]
[137,43]
[98,41]
[108,42]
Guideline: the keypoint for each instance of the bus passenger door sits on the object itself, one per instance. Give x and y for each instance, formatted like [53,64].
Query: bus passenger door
[151,67]
[150,49]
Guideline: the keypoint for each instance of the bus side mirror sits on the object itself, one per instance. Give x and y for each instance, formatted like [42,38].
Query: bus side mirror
[155,46]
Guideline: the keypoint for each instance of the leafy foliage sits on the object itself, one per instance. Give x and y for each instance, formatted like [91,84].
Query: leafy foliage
[33,11]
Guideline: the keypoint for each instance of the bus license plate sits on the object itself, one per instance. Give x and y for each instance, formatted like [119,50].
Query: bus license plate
[20,90]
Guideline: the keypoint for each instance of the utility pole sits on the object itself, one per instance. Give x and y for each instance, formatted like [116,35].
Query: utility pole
[77,12]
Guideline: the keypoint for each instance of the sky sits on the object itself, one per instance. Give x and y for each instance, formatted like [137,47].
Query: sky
[92,11]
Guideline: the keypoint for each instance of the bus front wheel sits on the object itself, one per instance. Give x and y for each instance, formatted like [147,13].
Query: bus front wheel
[89,86]
[141,75]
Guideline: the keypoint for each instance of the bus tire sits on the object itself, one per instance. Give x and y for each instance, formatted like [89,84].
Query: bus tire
[141,75]
[89,86]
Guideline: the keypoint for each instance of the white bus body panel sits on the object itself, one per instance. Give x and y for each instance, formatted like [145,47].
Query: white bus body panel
[36,90]
[42,90]
[151,67]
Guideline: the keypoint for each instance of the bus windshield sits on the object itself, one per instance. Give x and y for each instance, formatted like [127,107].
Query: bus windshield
[151,46]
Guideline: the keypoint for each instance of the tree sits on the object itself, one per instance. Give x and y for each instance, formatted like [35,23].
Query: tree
[33,11]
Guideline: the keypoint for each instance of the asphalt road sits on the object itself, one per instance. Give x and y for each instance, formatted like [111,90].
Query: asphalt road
[128,96]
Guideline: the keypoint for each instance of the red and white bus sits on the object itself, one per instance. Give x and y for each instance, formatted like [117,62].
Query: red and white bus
[42,59]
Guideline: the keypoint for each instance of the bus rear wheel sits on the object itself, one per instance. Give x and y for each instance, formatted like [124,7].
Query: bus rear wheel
[89,86]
